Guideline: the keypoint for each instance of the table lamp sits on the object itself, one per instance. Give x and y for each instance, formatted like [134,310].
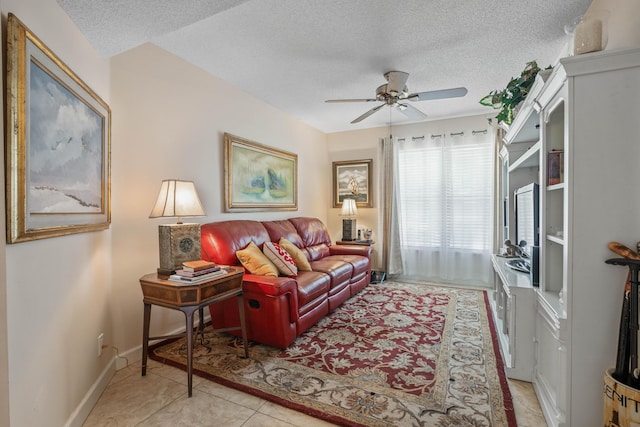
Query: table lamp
[178,242]
[350,211]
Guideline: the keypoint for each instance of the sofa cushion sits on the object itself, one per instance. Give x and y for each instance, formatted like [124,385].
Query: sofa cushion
[318,251]
[339,271]
[280,258]
[315,236]
[311,285]
[256,262]
[296,253]
[283,229]
[220,240]
[359,263]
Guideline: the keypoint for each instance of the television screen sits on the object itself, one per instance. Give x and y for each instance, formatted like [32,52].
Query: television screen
[528,227]
[527,217]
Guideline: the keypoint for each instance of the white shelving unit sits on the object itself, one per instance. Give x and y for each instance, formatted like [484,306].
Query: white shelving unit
[588,106]
[514,296]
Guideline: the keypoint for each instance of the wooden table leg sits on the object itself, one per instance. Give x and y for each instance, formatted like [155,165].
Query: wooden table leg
[188,312]
[243,326]
[200,330]
[145,337]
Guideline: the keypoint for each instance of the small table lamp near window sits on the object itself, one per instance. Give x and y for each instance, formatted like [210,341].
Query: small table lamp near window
[350,211]
[178,242]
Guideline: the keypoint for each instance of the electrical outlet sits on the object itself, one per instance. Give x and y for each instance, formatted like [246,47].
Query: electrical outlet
[100,344]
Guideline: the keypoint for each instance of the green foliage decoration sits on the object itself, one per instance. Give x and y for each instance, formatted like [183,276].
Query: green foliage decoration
[516,91]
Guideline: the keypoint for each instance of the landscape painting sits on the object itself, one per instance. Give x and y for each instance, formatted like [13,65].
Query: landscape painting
[65,150]
[258,177]
[352,180]
[58,145]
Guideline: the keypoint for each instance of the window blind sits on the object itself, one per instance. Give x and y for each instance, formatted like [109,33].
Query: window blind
[445,198]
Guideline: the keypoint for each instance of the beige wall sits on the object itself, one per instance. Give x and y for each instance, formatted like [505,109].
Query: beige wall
[57,290]
[623,30]
[169,120]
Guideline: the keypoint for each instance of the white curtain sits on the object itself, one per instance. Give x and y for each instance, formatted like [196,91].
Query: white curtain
[391,252]
[445,187]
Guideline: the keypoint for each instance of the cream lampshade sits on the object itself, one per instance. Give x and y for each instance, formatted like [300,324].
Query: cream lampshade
[350,211]
[178,242]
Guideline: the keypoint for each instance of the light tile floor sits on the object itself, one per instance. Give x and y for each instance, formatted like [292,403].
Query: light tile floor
[160,399]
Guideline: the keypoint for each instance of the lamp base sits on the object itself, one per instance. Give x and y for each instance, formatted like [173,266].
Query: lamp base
[164,273]
[348,229]
[178,243]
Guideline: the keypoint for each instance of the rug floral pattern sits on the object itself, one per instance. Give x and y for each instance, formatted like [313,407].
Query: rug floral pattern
[397,354]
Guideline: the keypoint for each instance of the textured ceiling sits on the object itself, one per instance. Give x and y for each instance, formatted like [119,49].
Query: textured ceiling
[295,54]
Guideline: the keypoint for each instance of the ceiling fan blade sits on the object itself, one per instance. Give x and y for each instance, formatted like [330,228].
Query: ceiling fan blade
[351,100]
[411,112]
[397,81]
[368,113]
[438,94]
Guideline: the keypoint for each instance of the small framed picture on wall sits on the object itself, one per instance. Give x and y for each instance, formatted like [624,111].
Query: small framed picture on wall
[353,180]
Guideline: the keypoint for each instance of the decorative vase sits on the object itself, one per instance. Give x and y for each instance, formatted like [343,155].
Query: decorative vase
[591,33]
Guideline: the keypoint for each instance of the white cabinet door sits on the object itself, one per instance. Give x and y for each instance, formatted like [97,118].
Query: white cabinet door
[550,374]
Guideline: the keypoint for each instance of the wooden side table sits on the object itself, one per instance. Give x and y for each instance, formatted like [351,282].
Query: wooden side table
[188,298]
[355,242]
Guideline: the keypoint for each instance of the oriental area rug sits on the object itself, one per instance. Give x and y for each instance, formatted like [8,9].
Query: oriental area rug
[395,354]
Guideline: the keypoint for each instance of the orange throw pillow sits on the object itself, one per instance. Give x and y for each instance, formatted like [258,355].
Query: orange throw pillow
[256,262]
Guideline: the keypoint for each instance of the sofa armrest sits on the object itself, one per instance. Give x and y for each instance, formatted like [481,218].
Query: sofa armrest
[273,287]
[365,251]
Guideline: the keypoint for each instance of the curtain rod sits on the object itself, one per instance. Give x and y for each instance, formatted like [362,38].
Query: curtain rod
[439,135]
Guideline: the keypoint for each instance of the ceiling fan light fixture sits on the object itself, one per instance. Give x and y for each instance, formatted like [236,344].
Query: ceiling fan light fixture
[396,90]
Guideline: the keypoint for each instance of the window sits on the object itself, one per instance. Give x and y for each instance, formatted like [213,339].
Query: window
[445,202]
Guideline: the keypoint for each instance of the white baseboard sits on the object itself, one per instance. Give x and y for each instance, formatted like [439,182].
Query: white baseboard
[129,357]
[117,362]
[77,418]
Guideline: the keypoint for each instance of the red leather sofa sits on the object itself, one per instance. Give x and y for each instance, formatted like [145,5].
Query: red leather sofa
[278,309]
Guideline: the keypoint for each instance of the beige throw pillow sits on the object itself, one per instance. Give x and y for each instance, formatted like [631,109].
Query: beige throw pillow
[280,258]
[296,253]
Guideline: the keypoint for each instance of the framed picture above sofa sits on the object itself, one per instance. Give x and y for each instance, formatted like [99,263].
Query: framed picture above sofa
[258,177]
[57,144]
[352,180]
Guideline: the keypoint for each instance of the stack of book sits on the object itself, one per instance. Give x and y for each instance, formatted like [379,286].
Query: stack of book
[197,271]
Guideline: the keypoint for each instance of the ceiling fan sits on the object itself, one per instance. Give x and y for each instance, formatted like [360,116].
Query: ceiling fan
[395,92]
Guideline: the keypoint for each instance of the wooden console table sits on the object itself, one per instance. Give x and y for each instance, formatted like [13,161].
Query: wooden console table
[188,298]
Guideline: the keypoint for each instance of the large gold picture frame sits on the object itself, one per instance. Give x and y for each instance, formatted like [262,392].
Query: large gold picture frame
[58,145]
[258,177]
